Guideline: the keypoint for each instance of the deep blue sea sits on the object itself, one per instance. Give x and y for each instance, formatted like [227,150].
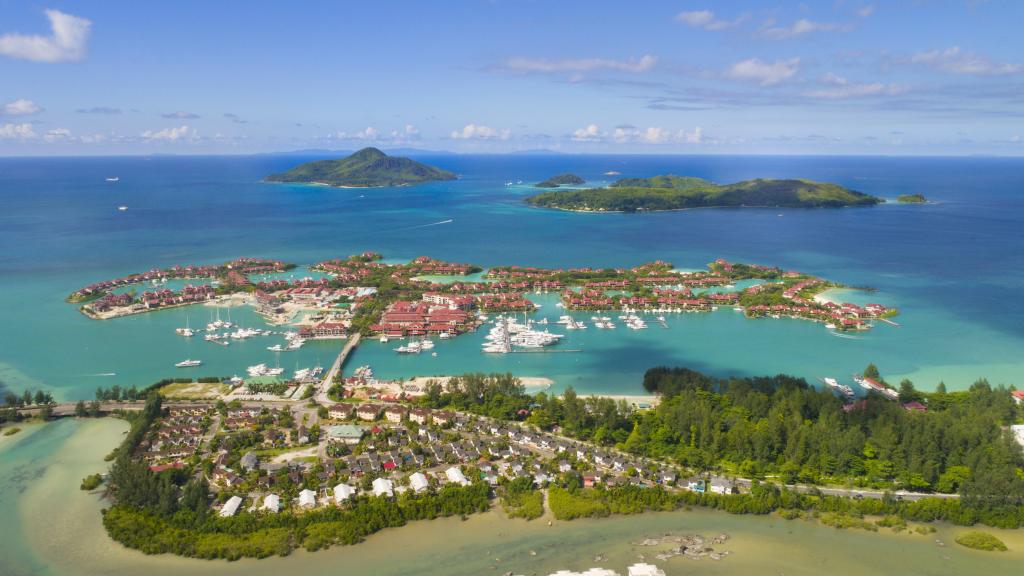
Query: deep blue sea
[954,267]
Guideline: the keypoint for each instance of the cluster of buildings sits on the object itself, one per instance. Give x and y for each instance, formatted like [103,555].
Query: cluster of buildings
[107,304]
[175,438]
[405,318]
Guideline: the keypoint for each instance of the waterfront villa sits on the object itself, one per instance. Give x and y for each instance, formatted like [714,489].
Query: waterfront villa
[383,487]
[343,492]
[418,482]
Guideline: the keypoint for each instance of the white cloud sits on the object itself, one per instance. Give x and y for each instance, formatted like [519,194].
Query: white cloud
[956,61]
[21,131]
[798,28]
[625,134]
[764,73]
[57,134]
[20,107]
[838,88]
[480,132]
[589,133]
[644,64]
[706,19]
[411,130]
[866,11]
[169,134]
[69,35]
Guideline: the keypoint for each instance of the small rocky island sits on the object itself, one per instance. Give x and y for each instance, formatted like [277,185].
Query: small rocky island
[560,180]
[911,199]
[671,192]
[367,168]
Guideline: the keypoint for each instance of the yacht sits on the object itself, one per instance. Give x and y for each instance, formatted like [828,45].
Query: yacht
[275,371]
[113,179]
[122,208]
[257,370]
[426,344]
[275,348]
[842,388]
[188,363]
[383,338]
[410,348]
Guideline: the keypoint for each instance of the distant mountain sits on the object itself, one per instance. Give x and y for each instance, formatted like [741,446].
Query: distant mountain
[535,152]
[670,192]
[367,168]
[556,181]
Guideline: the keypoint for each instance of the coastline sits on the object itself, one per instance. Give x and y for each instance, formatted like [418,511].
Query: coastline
[63,535]
[642,211]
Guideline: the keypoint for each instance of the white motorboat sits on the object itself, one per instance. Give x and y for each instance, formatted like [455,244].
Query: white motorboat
[188,363]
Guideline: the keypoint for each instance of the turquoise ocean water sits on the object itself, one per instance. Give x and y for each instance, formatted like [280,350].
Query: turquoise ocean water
[955,267]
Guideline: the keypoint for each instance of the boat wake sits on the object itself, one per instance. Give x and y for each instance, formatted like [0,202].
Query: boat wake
[448,221]
[838,335]
[106,374]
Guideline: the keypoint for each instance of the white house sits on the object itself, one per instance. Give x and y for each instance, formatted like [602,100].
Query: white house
[383,487]
[343,492]
[456,476]
[307,498]
[418,482]
[272,503]
[1018,433]
[230,507]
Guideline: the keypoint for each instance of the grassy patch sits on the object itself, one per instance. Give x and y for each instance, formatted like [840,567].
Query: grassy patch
[91,482]
[12,431]
[194,390]
[977,540]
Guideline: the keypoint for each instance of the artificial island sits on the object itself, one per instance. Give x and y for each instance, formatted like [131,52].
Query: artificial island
[220,467]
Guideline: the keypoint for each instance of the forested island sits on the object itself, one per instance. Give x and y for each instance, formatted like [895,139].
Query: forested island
[671,192]
[367,168]
[560,180]
[911,199]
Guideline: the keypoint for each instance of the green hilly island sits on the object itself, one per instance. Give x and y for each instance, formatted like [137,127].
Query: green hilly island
[367,168]
[559,180]
[671,192]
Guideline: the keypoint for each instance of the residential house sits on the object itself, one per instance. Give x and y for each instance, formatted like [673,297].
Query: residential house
[230,507]
[307,498]
[383,487]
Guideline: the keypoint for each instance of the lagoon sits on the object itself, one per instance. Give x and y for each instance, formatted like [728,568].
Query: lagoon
[953,267]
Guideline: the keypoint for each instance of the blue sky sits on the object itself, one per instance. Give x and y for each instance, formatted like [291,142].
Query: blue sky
[831,77]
